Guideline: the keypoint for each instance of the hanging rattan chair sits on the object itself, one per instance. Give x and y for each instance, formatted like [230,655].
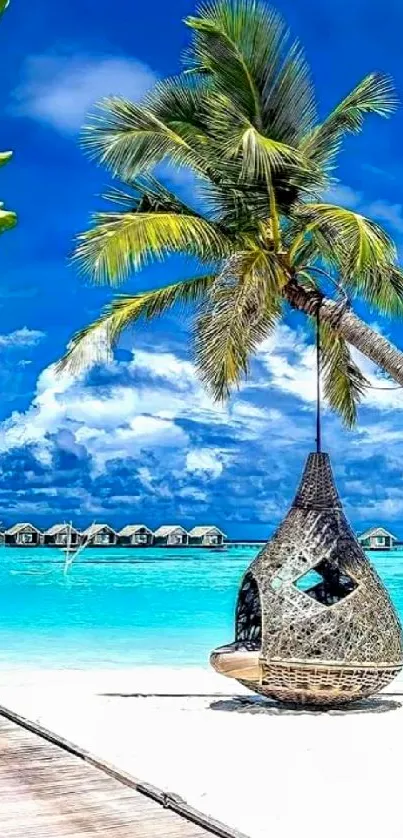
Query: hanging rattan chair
[314,624]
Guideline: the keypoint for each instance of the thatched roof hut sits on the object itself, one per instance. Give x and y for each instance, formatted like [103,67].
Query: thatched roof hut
[172,535]
[135,535]
[100,535]
[208,536]
[23,535]
[377,538]
[59,535]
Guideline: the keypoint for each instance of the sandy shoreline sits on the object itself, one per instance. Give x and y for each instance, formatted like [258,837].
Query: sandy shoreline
[262,770]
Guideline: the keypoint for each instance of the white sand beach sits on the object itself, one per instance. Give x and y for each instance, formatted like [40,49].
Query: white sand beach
[256,767]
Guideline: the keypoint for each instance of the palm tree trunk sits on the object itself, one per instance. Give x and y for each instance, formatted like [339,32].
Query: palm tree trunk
[375,347]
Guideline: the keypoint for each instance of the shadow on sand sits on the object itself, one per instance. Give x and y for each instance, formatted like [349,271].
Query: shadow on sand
[257,704]
[254,705]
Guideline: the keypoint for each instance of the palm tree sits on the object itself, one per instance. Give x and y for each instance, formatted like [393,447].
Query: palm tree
[242,117]
[8,219]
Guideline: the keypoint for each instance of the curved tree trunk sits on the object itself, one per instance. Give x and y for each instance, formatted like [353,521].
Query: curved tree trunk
[377,348]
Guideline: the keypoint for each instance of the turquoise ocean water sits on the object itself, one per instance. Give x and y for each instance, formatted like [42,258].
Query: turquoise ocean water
[120,608]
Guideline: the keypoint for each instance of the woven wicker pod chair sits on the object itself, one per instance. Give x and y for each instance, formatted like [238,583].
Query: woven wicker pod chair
[314,624]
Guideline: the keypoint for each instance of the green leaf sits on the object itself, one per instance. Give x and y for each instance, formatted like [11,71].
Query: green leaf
[243,306]
[148,194]
[355,243]
[123,242]
[243,47]
[5,156]
[344,383]
[8,220]
[180,104]
[94,344]
[3,5]
[223,37]
[129,139]
[373,95]
[382,288]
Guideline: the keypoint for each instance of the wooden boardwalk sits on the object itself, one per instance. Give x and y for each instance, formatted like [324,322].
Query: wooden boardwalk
[46,791]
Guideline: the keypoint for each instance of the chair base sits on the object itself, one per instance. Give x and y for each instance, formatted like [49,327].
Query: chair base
[322,684]
[303,681]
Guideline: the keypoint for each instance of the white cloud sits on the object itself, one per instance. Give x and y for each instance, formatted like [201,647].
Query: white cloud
[388,507]
[204,460]
[62,89]
[290,361]
[385,211]
[22,337]
[115,421]
[151,403]
[109,424]
[342,194]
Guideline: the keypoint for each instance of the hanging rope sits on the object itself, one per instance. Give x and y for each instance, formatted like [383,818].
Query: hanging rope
[318,370]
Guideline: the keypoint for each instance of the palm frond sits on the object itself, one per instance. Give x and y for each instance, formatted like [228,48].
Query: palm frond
[373,95]
[344,383]
[238,137]
[148,194]
[122,242]
[130,139]
[348,238]
[8,220]
[382,288]
[243,306]
[260,164]
[94,344]
[243,46]
[179,103]
[228,44]
[5,156]
[289,106]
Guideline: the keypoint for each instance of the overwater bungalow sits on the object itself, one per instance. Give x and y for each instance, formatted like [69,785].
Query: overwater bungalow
[206,537]
[59,534]
[135,535]
[100,535]
[171,536]
[23,535]
[377,538]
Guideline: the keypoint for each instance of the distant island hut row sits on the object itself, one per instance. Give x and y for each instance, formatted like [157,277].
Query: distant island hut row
[102,535]
[139,535]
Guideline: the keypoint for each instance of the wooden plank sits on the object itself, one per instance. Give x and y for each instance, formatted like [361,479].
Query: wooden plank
[50,788]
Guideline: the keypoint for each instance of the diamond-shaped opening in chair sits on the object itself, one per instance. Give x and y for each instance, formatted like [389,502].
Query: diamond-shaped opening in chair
[326,583]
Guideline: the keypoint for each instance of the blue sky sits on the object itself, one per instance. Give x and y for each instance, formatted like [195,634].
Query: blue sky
[141,441]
